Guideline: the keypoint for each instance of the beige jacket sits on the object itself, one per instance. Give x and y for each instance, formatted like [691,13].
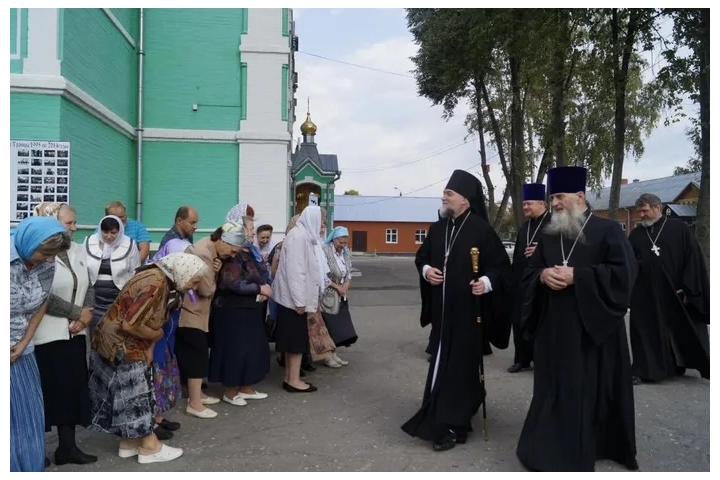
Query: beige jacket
[296,281]
[197,315]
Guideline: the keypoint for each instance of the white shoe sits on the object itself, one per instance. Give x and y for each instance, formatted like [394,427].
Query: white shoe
[339,360]
[253,396]
[127,452]
[210,400]
[330,362]
[206,413]
[165,454]
[237,400]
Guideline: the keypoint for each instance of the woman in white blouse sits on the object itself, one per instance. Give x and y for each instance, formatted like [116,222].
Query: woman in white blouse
[336,312]
[112,258]
[61,345]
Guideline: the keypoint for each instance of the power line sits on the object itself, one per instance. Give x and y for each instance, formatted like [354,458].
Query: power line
[356,65]
[408,163]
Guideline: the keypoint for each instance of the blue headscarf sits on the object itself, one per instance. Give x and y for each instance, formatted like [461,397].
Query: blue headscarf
[30,233]
[337,232]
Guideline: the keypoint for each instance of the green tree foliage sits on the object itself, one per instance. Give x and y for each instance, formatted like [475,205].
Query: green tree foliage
[687,75]
[547,86]
[351,192]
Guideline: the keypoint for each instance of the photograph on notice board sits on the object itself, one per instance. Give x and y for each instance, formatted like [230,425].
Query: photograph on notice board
[39,172]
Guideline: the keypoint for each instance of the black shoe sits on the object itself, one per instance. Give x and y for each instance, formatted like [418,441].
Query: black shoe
[289,388]
[680,371]
[170,426]
[446,442]
[461,438]
[47,462]
[637,381]
[162,434]
[76,456]
[517,367]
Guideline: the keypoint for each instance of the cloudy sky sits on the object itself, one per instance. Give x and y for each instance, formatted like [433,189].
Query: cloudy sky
[386,137]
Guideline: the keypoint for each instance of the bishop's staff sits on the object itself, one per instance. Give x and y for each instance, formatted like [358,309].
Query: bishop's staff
[475,255]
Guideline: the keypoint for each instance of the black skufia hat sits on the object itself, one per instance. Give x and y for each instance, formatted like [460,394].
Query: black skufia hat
[468,185]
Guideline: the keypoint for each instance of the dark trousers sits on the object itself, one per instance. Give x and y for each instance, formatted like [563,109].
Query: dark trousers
[523,347]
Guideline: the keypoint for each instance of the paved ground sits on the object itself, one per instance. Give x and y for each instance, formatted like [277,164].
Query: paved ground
[353,422]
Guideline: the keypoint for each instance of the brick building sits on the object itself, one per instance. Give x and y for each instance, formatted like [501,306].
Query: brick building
[386,225]
[679,195]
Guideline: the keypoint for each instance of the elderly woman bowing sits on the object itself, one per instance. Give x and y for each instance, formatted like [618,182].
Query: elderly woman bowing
[336,312]
[121,389]
[33,247]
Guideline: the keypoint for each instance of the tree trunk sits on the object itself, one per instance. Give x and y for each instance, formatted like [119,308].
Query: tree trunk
[496,132]
[558,81]
[491,207]
[517,141]
[621,63]
[544,162]
[702,222]
[502,209]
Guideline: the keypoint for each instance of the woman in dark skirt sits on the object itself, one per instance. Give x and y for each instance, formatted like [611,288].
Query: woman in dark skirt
[336,312]
[239,352]
[61,343]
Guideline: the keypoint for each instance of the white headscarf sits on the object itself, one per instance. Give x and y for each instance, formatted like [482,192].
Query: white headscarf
[181,268]
[311,221]
[109,248]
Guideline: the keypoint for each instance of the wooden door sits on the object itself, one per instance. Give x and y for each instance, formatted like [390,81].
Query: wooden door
[359,241]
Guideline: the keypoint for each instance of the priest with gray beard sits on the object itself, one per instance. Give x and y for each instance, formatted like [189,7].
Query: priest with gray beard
[577,291]
[670,306]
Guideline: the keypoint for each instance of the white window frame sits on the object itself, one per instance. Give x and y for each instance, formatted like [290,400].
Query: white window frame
[623,226]
[389,233]
[421,232]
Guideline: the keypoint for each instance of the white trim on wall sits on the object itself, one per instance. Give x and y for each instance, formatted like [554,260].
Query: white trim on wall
[58,85]
[119,26]
[263,49]
[18,35]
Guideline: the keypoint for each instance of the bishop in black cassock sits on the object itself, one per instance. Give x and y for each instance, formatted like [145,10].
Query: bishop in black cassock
[537,215]
[578,284]
[453,390]
[670,307]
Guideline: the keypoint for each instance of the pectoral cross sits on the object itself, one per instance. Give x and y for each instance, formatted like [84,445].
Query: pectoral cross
[656,250]
[565,263]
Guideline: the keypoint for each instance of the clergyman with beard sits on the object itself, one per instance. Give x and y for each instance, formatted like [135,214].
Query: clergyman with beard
[670,306]
[452,300]
[577,285]
[536,217]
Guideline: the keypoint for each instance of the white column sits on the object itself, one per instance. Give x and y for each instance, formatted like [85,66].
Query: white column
[42,55]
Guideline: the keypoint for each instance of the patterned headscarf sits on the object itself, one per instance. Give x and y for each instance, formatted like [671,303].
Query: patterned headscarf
[182,268]
[238,214]
[292,223]
[48,209]
[234,234]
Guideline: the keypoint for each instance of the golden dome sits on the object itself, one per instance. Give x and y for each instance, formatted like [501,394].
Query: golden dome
[308,127]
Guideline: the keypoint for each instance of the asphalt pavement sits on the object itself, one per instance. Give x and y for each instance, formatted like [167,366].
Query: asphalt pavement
[352,423]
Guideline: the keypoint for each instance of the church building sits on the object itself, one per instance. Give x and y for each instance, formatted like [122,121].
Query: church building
[313,174]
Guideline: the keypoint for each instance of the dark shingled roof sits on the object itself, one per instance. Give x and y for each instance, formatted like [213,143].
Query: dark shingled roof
[326,163]
[668,189]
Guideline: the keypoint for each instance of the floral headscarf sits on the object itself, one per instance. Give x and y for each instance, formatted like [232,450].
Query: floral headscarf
[238,214]
[49,209]
[182,268]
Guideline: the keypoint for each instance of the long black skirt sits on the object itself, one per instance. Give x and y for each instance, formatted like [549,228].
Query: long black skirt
[341,327]
[64,379]
[239,352]
[291,333]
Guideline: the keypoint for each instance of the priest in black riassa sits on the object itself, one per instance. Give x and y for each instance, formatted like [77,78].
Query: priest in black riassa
[453,391]
[537,216]
[578,285]
[670,307]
